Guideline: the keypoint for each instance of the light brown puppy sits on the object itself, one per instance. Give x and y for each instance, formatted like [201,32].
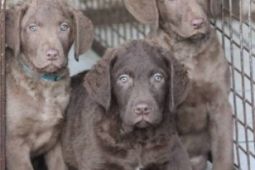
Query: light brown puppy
[204,119]
[39,36]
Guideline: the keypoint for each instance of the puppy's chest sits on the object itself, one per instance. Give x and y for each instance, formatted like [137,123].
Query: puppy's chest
[54,104]
[193,113]
[140,157]
[36,113]
[41,104]
[196,69]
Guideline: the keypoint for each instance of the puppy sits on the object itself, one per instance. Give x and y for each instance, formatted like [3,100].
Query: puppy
[204,119]
[39,36]
[121,117]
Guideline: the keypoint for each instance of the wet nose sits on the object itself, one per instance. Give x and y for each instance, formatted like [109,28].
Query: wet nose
[197,23]
[52,54]
[142,109]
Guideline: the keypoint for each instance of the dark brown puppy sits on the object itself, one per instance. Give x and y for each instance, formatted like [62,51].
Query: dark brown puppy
[204,120]
[39,36]
[121,119]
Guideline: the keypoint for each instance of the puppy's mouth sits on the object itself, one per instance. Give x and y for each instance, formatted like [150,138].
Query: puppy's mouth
[50,68]
[198,36]
[142,122]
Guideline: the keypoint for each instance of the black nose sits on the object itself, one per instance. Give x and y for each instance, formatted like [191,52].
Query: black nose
[142,109]
[52,54]
[197,23]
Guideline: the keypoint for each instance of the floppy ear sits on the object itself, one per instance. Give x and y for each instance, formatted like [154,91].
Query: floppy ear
[98,80]
[215,7]
[145,11]
[84,33]
[179,84]
[13,27]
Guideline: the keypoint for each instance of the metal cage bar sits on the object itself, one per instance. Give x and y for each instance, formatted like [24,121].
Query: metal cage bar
[2,85]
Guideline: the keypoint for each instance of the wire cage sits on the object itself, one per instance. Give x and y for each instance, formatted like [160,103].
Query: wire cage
[114,24]
[236,31]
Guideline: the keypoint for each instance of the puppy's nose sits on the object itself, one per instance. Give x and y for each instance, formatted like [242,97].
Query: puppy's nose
[197,23]
[142,109]
[52,54]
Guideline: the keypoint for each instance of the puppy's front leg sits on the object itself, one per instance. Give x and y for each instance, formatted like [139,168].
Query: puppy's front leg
[221,136]
[54,158]
[18,156]
[179,159]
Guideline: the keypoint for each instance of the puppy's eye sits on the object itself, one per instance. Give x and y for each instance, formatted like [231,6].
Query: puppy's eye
[64,27]
[33,27]
[158,77]
[124,78]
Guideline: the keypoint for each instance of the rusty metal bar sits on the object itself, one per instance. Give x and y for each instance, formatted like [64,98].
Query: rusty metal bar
[2,85]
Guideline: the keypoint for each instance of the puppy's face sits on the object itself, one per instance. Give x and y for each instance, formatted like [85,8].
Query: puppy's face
[140,82]
[187,18]
[46,37]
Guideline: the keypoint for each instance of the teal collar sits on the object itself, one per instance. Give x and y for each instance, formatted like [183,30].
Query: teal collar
[47,76]
[51,77]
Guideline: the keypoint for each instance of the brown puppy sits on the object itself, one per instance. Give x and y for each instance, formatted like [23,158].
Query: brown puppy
[121,119]
[204,120]
[39,36]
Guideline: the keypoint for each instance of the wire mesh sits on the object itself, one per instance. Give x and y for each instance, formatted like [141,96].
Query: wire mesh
[236,29]
[114,25]
[2,85]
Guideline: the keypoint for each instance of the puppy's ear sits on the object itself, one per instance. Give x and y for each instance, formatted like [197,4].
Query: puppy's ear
[145,11]
[13,27]
[215,7]
[84,33]
[179,83]
[98,80]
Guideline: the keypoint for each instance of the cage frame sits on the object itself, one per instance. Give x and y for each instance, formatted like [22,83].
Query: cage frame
[100,44]
[2,86]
